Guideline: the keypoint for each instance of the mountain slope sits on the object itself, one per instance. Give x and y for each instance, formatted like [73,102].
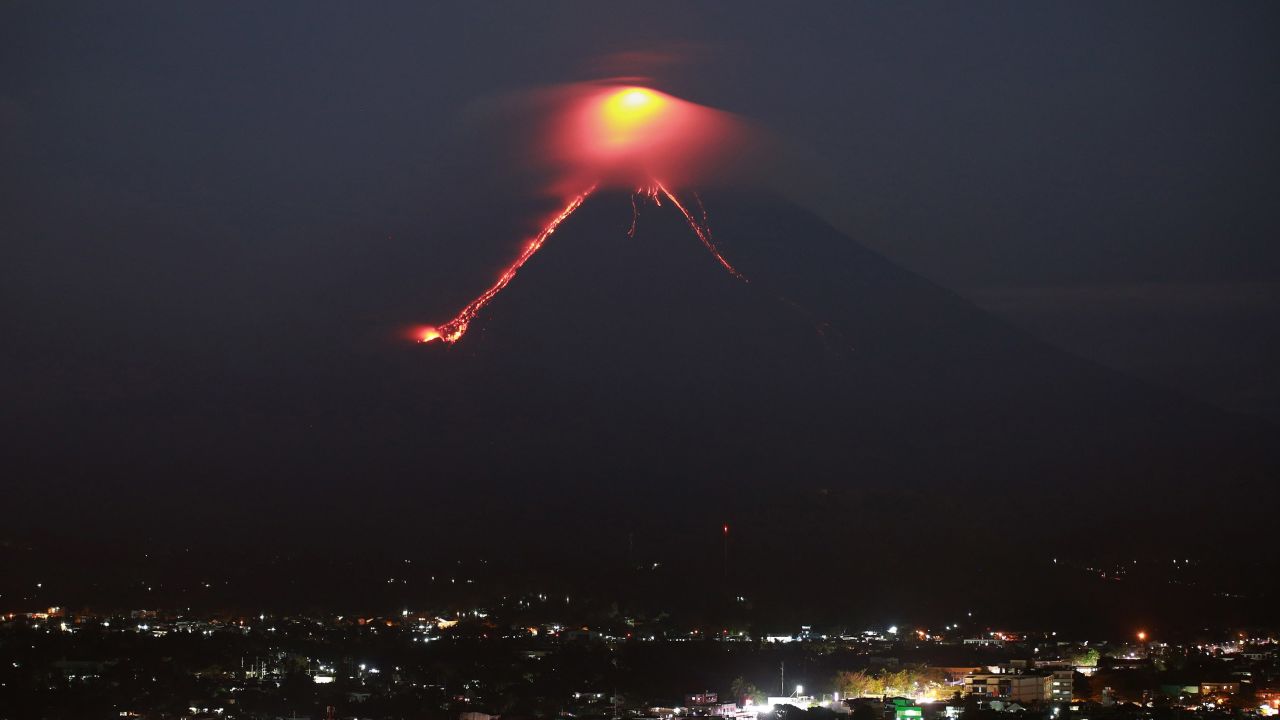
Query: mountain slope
[634,372]
[625,396]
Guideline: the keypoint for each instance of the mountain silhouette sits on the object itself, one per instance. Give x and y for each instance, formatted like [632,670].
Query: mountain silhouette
[833,401]
[625,396]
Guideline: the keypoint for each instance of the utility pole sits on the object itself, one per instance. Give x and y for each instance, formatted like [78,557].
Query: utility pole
[726,552]
[782,679]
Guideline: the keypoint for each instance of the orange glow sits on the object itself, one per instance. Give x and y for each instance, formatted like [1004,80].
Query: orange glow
[453,330]
[628,114]
[1142,635]
[634,99]
[426,334]
[625,134]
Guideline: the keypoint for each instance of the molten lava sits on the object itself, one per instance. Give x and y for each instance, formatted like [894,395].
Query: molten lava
[619,135]
[703,231]
[453,330]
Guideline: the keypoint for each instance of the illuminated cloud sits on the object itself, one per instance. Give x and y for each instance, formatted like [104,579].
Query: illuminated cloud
[627,135]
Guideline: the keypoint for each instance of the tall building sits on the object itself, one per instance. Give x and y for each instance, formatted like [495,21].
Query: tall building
[1061,684]
[1021,686]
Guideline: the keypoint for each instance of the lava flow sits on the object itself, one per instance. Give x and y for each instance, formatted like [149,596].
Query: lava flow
[702,230]
[619,136]
[453,330]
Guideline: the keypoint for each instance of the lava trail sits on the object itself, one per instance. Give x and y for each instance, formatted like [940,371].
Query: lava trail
[453,330]
[702,230]
[650,191]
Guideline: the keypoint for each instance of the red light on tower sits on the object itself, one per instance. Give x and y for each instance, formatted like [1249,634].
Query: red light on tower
[725,543]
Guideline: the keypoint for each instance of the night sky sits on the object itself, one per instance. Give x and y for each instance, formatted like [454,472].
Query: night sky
[199,196]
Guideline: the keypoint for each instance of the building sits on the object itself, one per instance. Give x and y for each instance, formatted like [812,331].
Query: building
[984,642]
[583,635]
[955,672]
[1021,686]
[904,709]
[1061,684]
[800,701]
[1268,696]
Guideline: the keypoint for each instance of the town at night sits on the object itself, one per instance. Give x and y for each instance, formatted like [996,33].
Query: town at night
[540,656]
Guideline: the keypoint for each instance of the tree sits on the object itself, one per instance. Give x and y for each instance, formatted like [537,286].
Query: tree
[743,690]
[910,681]
[896,683]
[855,684]
[1085,658]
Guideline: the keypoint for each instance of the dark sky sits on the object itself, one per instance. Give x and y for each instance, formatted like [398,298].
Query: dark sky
[1103,174]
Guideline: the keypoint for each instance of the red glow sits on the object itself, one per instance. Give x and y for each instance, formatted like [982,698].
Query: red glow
[453,330]
[610,135]
[627,134]
[425,334]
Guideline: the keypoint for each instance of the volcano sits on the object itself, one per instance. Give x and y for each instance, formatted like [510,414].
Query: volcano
[630,373]
[625,396]
[826,402]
